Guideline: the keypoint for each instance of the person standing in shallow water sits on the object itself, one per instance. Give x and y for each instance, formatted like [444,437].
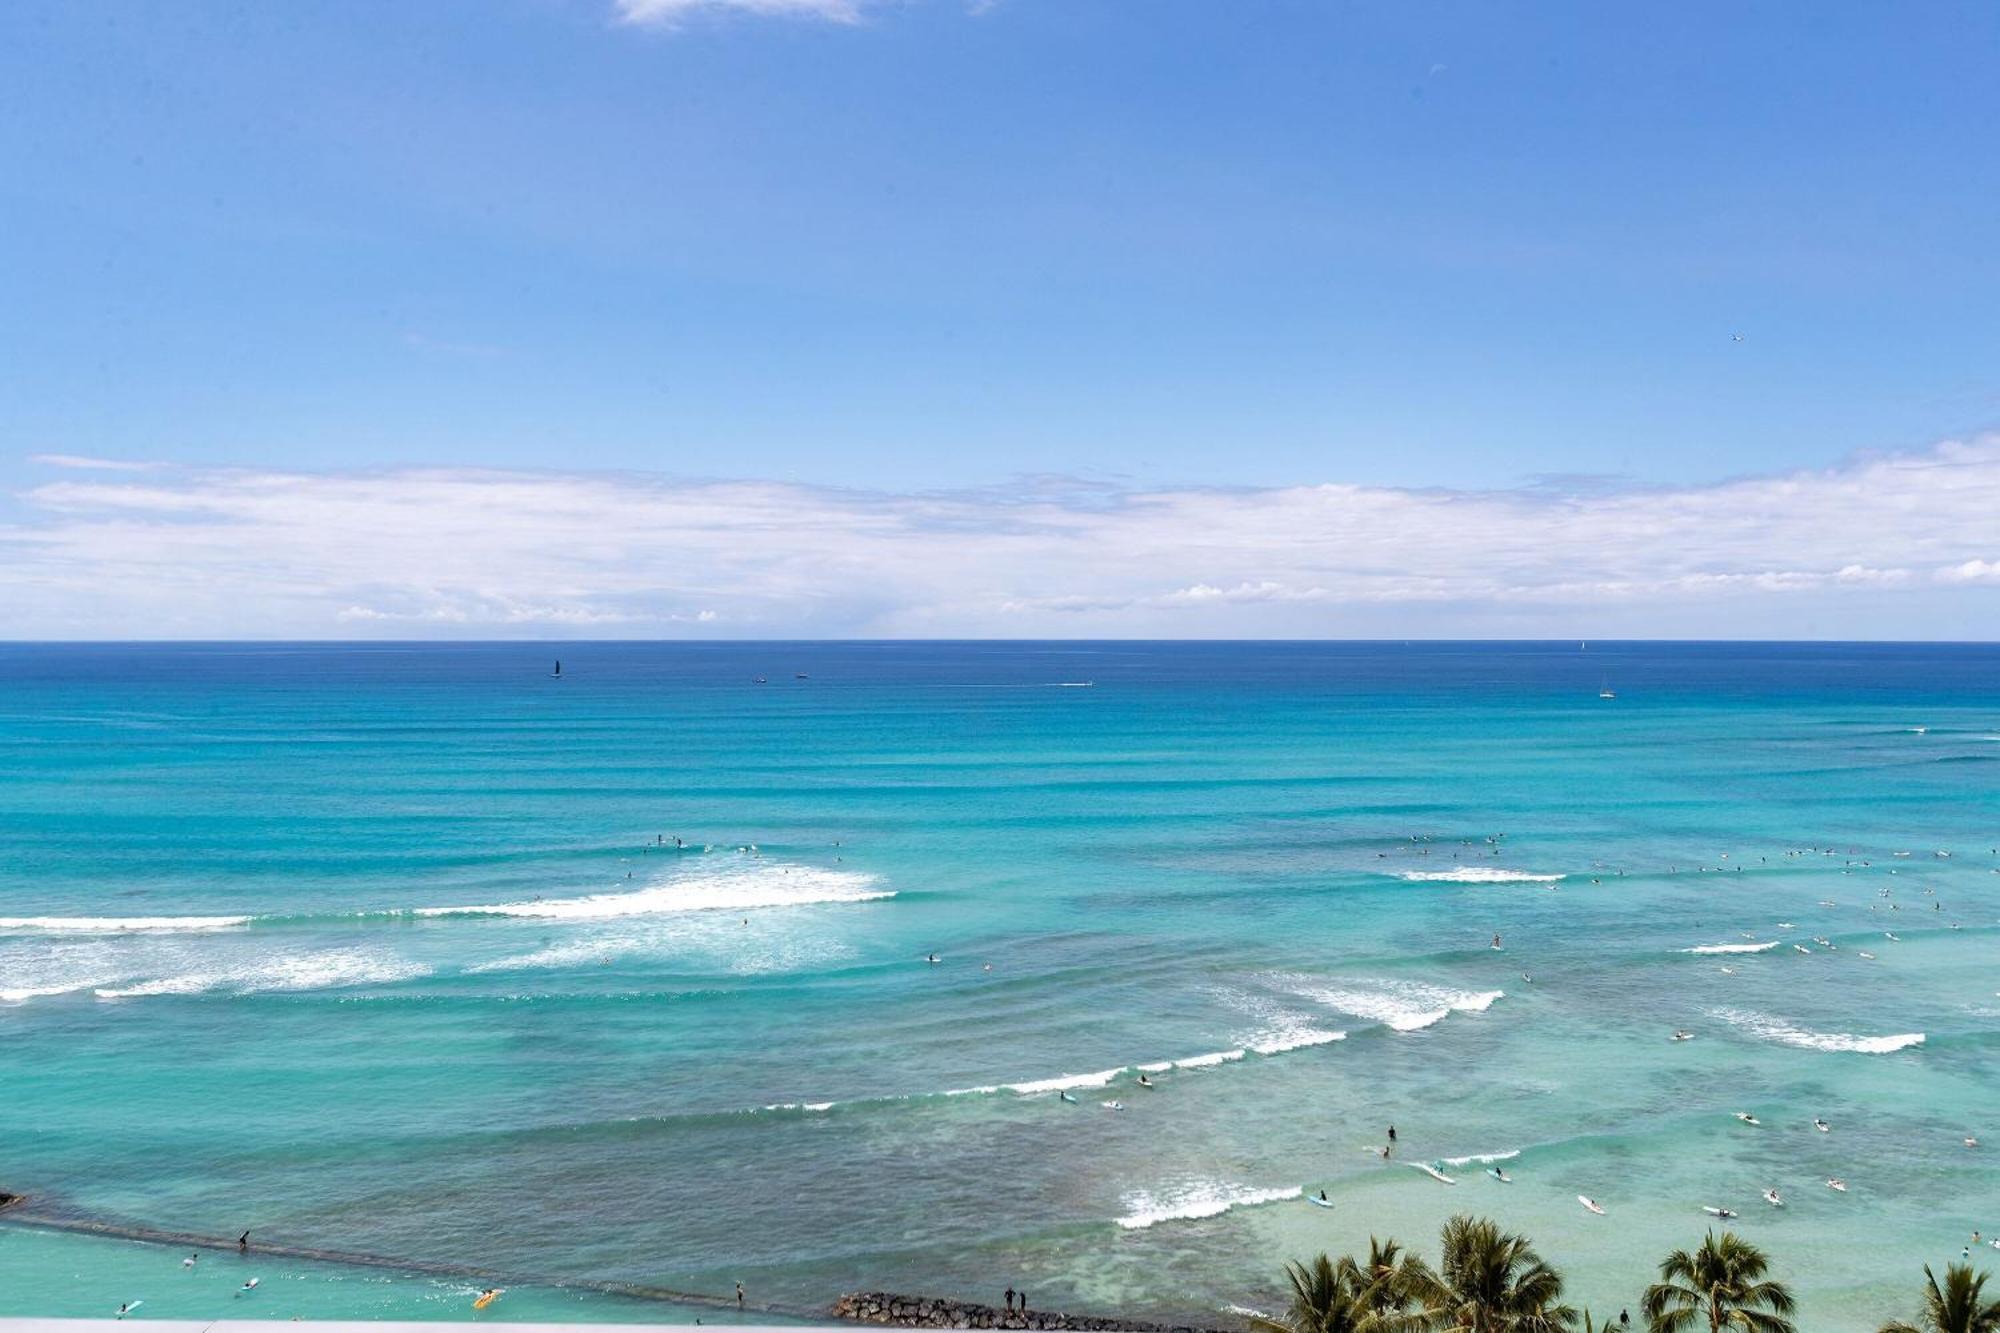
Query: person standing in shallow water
[1010,1300]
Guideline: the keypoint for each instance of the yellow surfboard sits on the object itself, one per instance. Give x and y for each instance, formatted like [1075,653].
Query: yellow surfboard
[486,1298]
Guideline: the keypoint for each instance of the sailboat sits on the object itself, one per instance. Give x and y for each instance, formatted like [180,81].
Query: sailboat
[1604,691]
[557,673]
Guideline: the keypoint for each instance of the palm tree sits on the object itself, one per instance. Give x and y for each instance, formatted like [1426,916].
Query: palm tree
[1955,1307]
[1721,1282]
[1492,1282]
[1388,1280]
[1323,1301]
[1350,1296]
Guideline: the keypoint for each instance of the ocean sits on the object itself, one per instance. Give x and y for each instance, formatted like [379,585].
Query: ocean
[780,963]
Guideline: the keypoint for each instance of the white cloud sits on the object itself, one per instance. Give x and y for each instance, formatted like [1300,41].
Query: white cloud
[1971,571]
[666,13]
[1875,547]
[77,462]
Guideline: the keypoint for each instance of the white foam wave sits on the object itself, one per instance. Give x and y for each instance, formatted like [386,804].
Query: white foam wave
[1144,1208]
[116,925]
[1484,1159]
[1061,1083]
[19,994]
[761,884]
[1477,875]
[1732,948]
[1209,1060]
[1776,1029]
[1405,1006]
[1280,1029]
[327,969]
[1296,1040]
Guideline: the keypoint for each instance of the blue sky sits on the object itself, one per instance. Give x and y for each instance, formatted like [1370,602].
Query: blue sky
[875,255]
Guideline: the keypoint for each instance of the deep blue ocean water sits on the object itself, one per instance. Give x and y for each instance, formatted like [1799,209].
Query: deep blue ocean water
[390,948]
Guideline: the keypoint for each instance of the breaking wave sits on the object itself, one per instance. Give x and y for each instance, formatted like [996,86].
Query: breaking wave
[327,969]
[757,884]
[1731,948]
[735,890]
[1767,1028]
[118,925]
[1476,875]
[1404,1006]
[1144,1208]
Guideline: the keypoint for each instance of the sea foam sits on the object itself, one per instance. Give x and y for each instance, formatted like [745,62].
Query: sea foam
[1731,948]
[116,925]
[1405,1006]
[1476,875]
[736,889]
[325,969]
[1145,1208]
[1775,1029]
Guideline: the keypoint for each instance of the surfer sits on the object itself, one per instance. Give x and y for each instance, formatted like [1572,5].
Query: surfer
[1144,1082]
[128,1307]
[251,1285]
[1392,1133]
[1496,939]
[1323,1199]
[739,1295]
[243,1243]
[189,1261]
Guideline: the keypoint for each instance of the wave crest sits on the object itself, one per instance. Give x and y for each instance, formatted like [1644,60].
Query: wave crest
[1404,1006]
[1767,1028]
[1206,1198]
[1477,875]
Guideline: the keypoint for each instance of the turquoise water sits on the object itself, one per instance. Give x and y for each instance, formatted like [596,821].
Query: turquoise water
[380,949]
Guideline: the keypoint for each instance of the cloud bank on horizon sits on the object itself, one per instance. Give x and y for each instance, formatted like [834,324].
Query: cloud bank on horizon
[1904,545]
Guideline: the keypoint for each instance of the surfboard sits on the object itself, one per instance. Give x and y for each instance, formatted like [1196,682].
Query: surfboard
[1432,1172]
[1717,1212]
[1319,1203]
[486,1299]
[1591,1204]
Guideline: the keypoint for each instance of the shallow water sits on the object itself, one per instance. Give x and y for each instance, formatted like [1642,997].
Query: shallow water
[377,948]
